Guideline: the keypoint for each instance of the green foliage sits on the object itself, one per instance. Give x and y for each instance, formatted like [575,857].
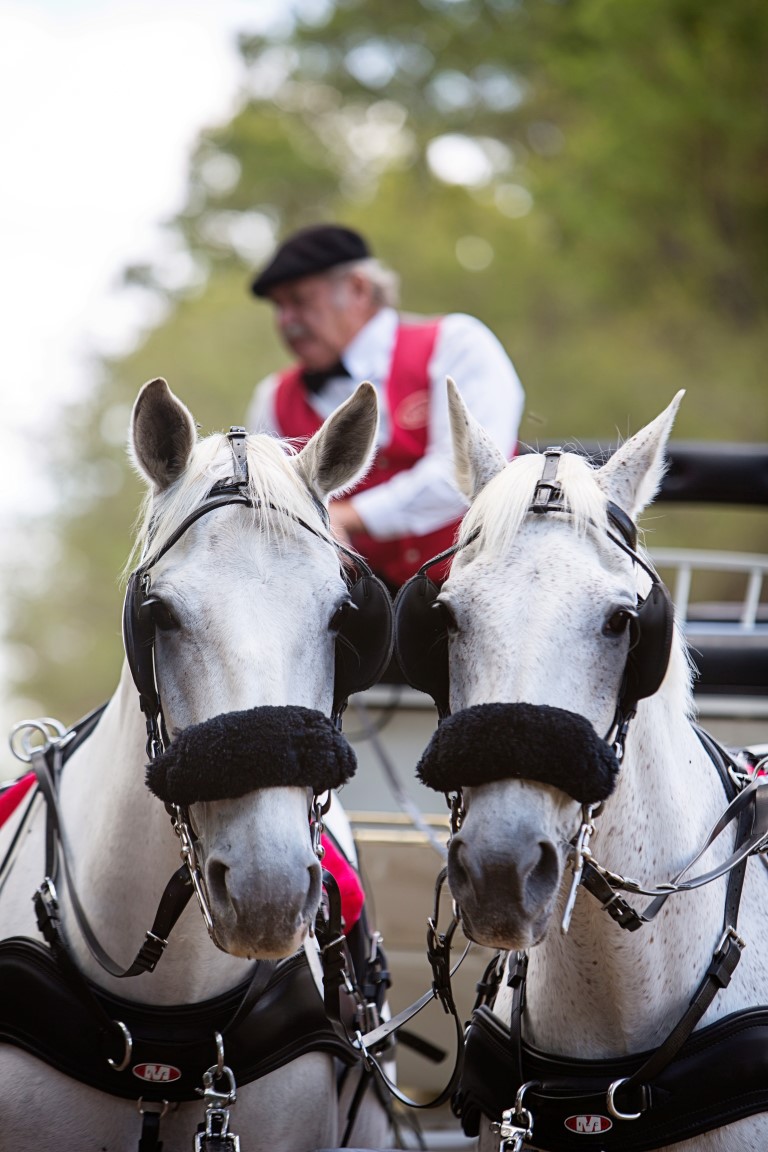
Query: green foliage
[617,244]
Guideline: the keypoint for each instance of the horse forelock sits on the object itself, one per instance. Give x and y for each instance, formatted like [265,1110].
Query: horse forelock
[499,510]
[272,483]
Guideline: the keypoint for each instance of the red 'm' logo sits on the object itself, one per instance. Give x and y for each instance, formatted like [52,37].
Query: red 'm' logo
[157,1073]
[588,1125]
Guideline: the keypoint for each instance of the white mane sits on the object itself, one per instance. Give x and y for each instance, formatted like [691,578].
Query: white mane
[271,481]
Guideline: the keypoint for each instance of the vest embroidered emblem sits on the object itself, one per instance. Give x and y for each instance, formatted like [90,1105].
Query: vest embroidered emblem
[413,410]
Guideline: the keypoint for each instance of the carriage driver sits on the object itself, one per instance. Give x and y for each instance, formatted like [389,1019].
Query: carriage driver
[335,309]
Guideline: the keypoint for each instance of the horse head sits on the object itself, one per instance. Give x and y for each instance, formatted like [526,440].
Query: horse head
[549,629]
[234,619]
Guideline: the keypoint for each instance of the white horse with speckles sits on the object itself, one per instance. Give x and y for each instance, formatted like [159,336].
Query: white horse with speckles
[561,656]
[233,624]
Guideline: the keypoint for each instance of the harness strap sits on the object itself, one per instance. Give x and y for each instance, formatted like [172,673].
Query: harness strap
[150,1132]
[47,763]
[725,957]
[719,1076]
[718,976]
[750,808]
[374,1040]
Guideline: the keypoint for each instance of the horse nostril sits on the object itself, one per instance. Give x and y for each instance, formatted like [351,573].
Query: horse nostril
[458,875]
[218,887]
[543,876]
[315,889]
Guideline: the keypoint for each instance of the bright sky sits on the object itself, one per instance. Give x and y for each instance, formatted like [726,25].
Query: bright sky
[100,104]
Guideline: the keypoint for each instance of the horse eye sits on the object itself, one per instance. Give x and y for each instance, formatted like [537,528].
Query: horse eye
[340,616]
[616,624]
[160,614]
[446,613]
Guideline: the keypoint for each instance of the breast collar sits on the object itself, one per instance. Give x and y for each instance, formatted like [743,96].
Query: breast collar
[265,1023]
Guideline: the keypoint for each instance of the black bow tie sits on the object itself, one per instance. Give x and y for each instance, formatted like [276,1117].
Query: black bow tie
[315,381]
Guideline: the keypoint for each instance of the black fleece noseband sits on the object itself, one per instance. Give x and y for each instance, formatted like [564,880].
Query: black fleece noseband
[236,753]
[489,742]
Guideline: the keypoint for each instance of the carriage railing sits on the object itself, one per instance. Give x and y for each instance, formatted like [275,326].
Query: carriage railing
[720,597]
[744,617]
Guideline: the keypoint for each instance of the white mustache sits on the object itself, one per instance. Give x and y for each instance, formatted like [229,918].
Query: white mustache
[294,331]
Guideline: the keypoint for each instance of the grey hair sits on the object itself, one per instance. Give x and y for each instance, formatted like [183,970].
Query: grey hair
[384,282]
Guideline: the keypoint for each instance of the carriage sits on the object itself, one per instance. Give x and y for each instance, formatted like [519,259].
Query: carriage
[219,817]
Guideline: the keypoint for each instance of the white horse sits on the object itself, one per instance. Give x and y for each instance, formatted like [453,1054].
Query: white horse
[244,610]
[539,611]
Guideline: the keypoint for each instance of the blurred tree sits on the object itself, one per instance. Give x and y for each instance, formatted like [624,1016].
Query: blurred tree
[587,176]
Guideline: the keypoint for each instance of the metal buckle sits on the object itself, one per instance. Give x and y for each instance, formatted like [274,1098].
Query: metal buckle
[730,933]
[21,736]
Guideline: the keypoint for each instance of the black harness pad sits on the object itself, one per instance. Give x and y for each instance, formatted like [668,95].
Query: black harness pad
[237,752]
[172,1045]
[719,1076]
[489,742]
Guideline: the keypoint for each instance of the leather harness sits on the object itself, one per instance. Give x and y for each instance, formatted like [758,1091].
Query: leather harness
[693,1082]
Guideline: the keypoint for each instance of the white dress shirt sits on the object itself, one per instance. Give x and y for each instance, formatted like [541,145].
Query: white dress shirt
[424,497]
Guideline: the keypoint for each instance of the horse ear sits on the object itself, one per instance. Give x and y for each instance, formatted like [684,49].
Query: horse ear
[632,476]
[477,459]
[339,453]
[163,434]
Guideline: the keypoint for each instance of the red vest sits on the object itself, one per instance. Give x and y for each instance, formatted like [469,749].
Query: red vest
[407,395]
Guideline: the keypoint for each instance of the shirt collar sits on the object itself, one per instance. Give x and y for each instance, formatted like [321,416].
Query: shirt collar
[369,353]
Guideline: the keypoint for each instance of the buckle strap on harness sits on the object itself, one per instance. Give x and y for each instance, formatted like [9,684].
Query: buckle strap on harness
[636,1090]
[718,975]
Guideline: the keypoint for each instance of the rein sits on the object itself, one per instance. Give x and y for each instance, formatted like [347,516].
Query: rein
[370,1044]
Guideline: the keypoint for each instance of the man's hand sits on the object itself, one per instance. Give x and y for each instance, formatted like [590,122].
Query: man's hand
[345,520]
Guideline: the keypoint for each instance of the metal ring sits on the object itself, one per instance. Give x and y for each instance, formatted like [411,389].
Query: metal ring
[127,1051]
[519,1110]
[219,1054]
[163,1112]
[609,1101]
[46,726]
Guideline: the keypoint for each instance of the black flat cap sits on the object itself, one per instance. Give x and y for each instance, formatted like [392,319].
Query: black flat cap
[309,251]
